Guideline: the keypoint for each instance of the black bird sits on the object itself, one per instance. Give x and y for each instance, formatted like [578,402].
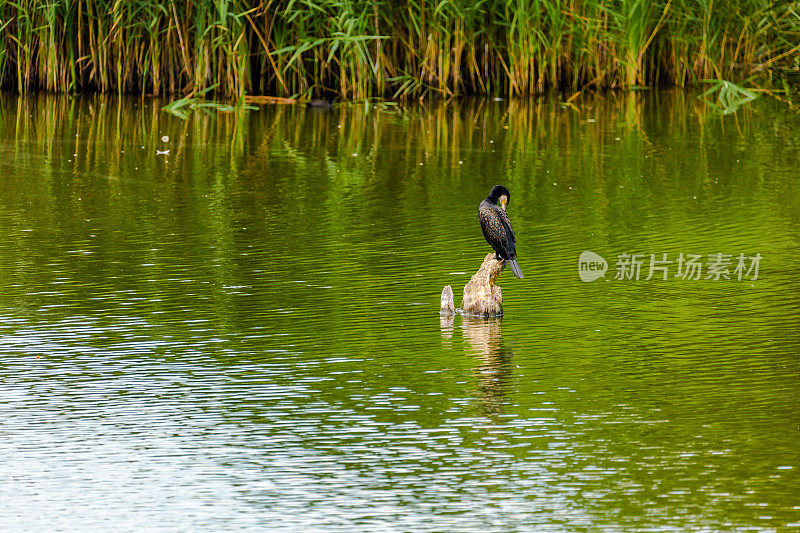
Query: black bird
[497,228]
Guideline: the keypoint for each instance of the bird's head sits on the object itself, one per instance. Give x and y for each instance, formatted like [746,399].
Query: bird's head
[499,196]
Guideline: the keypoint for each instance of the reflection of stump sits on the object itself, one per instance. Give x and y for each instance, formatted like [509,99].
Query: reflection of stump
[447,327]
[481,296]
[485,338]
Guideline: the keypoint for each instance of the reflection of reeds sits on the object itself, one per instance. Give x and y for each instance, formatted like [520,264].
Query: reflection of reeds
[382,48]
[521,135]
[520,139]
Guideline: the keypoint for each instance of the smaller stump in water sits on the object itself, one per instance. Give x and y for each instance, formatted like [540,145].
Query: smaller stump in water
[481,296]
[448,306]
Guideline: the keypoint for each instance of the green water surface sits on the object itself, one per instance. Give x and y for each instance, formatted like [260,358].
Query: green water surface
[243,333]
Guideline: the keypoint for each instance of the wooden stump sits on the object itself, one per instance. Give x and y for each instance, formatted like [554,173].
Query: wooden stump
[481,296]
[448,306]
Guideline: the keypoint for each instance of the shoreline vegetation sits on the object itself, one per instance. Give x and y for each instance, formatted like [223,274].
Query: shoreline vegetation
[352,50]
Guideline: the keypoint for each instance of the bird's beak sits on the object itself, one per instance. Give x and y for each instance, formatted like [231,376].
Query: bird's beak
[503,202]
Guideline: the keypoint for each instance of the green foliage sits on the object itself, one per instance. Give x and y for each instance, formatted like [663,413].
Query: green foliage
[182,107]
[730,97]
[383,48]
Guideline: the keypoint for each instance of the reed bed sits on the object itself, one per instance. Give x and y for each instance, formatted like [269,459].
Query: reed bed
[390,48]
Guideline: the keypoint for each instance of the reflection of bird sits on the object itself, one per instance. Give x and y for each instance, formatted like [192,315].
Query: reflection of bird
[497,228]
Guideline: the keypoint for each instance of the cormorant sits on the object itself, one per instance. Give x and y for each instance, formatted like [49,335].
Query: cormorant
[497,228]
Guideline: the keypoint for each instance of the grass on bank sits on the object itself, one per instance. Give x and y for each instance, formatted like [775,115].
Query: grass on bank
[384,48]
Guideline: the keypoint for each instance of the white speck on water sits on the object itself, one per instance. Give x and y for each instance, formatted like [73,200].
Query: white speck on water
[74,155]
[616,138]
[162,152]
[142,147]
[420,164]
[165,139]
[589,120]
[460,162]
[355,155]
[491,141]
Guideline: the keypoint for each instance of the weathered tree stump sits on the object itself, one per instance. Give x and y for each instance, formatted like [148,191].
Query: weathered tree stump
[481,296]
[448,306]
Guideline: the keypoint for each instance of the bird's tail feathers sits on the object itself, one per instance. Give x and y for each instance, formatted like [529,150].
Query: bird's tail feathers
[515,268]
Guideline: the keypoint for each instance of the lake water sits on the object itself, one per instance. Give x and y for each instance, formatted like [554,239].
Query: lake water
[243,333]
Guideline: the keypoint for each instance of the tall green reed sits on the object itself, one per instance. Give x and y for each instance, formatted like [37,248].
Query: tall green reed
[413,48]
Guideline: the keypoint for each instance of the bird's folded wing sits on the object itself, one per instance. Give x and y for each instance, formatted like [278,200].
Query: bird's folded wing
[509,233]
